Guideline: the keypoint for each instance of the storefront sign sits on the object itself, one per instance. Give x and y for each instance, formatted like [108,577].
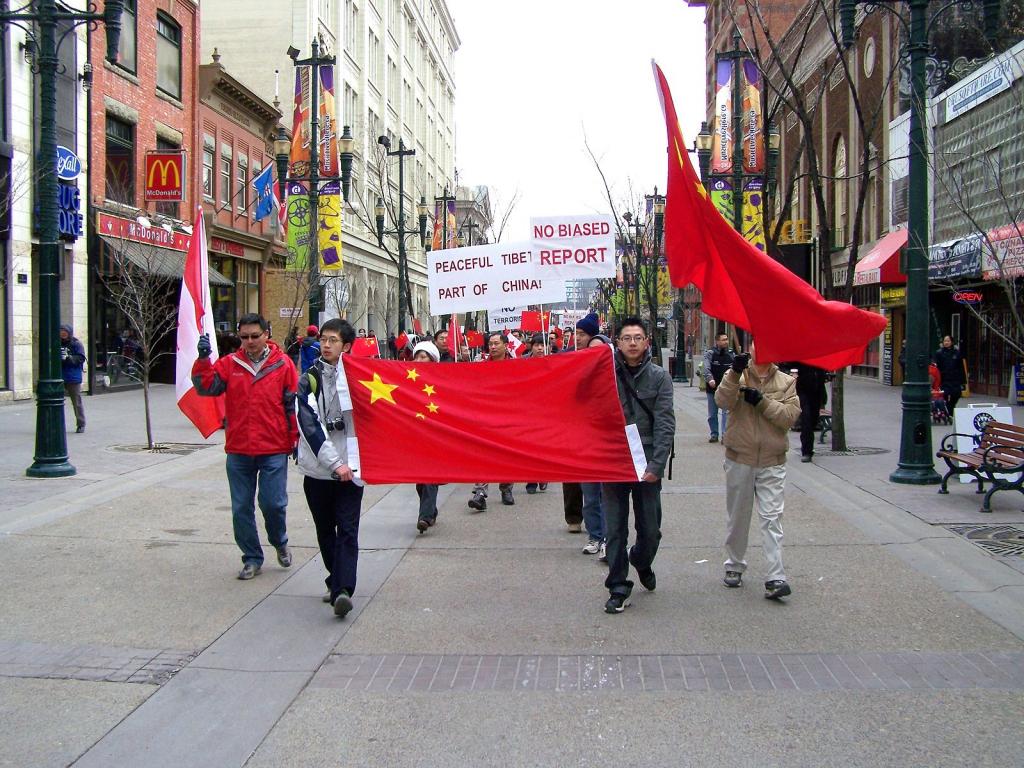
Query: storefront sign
[126,229]
[967,297]
[69,167]
[887,351]
[1004,259]
[957,258]
[165,176]
[990,80]
[1018,383]
[69,211]
[894,296]
[221,245]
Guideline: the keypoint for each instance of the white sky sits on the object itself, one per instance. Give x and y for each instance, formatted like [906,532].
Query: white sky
[533,75]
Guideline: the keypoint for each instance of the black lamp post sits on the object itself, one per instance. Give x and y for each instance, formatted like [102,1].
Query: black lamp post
[444,199]
[916,461]
[654,268]
[469,225]
[39,19]
[400,231]
[638,251]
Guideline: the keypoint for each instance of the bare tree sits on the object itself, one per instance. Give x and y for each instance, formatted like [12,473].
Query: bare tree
[16,184]
[501,212]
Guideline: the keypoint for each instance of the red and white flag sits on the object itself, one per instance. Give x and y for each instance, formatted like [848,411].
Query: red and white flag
[195,317]
[514,344]
[455,338]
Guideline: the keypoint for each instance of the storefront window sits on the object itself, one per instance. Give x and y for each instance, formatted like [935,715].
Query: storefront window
[247,286]
[223,297]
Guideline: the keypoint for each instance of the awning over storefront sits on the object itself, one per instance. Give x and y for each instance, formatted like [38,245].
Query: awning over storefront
[882,264]
[155,260]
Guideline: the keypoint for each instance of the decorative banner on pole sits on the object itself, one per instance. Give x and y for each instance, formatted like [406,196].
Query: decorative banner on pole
[487,277]
[505,318]
[753,214]
[439,243]
[571,247]
[721,197]
[753,135]
[329,203]
[722,138]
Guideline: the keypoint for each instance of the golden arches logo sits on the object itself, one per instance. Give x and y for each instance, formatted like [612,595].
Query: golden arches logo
[164,167]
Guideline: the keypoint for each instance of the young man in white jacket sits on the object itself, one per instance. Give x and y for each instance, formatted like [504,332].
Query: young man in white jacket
[333,493]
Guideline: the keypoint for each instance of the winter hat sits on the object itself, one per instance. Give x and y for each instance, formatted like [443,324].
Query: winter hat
[589,324]
[312,330]
[430,348]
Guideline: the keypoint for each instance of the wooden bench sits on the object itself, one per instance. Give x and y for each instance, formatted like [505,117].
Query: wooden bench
[999,451]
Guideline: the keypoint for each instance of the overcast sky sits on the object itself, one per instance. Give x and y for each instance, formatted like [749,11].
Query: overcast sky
[533,76]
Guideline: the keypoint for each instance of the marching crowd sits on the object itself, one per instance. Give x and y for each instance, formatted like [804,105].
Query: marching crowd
[273,408]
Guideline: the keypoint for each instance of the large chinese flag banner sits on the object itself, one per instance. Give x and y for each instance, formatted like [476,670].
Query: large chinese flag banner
[424,422]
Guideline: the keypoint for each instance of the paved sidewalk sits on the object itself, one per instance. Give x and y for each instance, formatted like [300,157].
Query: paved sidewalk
[127,640]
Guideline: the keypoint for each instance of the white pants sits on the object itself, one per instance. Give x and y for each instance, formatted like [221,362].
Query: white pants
[744,487]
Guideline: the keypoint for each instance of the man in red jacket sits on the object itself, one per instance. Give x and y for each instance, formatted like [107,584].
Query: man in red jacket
[258,383]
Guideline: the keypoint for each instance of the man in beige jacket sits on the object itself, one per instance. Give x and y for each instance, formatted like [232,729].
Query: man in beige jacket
[762,404]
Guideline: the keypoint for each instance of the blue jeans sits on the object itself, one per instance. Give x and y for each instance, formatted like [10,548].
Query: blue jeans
[713,412]
[272,474]
[428,501]
[593,513]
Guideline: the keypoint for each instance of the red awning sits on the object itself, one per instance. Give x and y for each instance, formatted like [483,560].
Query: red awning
[882,264]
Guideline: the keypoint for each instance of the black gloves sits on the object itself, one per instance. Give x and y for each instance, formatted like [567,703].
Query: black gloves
[752,396]
[203,347]
[740,362]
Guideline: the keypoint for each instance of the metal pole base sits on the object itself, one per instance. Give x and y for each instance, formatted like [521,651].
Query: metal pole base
[51,456]
[915,465]
[915,476]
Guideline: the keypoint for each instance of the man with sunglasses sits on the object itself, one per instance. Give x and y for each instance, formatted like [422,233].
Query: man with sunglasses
[645,394]
[258,383]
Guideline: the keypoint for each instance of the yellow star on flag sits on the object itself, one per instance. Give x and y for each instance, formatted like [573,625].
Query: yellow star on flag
[432,408]
[412,373]
[429,389]
[379,389]
[420,416]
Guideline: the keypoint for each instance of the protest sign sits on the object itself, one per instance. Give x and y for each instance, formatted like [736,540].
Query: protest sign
[505,318]
[573,246]
[487,277]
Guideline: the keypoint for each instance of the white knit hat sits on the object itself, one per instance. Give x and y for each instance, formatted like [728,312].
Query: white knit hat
[430,348]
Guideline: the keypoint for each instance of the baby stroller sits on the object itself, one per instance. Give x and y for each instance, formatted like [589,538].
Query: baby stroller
[940,411]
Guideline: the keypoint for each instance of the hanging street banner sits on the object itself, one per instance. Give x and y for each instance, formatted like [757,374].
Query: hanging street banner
[330,202]
[444,221]
[753,135]
[573,247]
[753,213]
[487,277]
[505,318]
[721,197]
[721,139]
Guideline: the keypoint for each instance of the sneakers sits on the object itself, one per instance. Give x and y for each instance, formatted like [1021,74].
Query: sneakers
[616,603]
[648,580]
[479,501]
[342,604]
[806,458]
[733,579]
[284,556]
[249,571]
[506,497]
[776,590]
[531,488]
[327,596]
[542,487]
[592,547]
[713,439]
[602,556]
[574,527]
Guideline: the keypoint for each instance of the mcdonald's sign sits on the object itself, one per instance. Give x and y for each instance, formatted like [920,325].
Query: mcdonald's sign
[165,176]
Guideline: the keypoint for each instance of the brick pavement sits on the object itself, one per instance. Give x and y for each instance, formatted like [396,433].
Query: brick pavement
[892,671]
[112,664]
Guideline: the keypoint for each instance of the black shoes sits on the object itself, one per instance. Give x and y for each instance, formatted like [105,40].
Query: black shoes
[806,458]
[342,604]
[713,439]
[776,590]
[733,579]
[647,578]
[284,556]
[531,488]
[479,501]
[249,571]
[425,522]
[616,603]
[506,497]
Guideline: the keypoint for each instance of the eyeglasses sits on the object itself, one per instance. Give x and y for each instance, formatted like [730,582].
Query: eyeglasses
[631,339]
[250,336]
[330,340]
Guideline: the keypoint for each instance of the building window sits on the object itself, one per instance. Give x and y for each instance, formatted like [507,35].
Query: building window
[352,28]
[839,240]
[247,287]
[167,209]
[120,169]
[168,56]
[208,172]
[243,183]
[126,56]
[226,172]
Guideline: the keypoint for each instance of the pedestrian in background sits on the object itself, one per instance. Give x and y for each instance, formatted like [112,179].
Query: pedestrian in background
[645,395]
[497,351]
[426,352]
[310,349]
[258,383]
[717,360]
[810,388]
[333,492]
[72,368]
[762,405]
[950,363]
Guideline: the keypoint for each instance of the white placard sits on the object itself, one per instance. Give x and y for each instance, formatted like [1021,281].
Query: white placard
[572,316]
[506,317]
[971,420]
[487,277]
[573,246]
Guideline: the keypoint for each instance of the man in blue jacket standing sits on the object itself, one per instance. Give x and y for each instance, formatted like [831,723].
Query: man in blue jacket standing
[72,364]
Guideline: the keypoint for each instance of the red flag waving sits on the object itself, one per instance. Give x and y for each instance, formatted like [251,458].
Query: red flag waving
[474,339]
[456,341]
[365,346]
[423,422]
[743,286]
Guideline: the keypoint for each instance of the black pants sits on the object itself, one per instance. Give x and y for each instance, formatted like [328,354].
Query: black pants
[952,395]
[428,501]
[647,521]
[335,509]
[810,408]
[572,503]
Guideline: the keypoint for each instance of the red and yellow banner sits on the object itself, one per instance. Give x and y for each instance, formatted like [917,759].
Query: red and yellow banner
[722,138]
[439,242]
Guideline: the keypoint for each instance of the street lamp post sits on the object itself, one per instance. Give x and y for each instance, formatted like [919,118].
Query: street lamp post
[638,248]
[400,232]
[657,203]
[915,464]
[444,199]
[39,19]
[282,150]
[470,225]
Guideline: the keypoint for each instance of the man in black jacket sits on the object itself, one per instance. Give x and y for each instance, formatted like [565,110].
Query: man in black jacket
[716,362]
[810,388]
